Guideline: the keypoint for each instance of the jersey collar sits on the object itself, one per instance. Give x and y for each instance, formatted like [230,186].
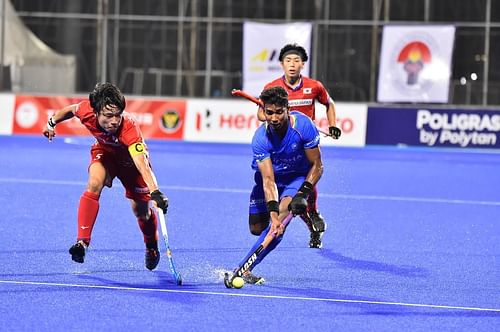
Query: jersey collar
[298,87]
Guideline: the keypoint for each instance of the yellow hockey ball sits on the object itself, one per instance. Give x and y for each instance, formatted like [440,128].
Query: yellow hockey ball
[238,282]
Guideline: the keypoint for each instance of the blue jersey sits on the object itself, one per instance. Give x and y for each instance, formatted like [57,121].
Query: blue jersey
[287,154]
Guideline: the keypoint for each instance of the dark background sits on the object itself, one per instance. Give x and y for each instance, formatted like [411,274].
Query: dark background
[164,42]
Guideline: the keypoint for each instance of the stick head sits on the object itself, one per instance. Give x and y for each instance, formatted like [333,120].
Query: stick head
[228,280]
[178,279]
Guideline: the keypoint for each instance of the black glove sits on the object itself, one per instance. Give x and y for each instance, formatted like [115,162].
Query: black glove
[298,205]
[160,199]
[335,132]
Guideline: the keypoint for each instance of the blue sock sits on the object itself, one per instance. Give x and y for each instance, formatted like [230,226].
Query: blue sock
[266,251]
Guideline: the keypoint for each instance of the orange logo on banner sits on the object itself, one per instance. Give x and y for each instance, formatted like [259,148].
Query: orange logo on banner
[413,56]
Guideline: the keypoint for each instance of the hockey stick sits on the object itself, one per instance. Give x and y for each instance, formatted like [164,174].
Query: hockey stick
[228,281]
[258,102]
[246,95]
[163,226]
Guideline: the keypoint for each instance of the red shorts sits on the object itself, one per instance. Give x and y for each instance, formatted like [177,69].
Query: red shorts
[119,163]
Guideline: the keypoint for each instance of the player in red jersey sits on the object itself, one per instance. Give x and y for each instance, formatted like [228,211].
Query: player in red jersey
[119,151]
[302,93]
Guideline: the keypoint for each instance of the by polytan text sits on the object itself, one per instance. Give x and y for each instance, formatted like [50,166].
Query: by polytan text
[459,138]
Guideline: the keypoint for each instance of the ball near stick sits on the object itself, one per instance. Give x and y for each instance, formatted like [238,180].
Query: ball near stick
[238,282]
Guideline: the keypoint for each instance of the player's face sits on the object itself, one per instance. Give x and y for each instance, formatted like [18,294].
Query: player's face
[276,116]
[292,65]
[110,118]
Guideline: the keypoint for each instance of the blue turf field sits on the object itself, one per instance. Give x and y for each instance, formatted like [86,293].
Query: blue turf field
[412,244]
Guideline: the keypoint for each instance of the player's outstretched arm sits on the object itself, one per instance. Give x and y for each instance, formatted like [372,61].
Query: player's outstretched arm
[331,115]
[139,155]
[64,114]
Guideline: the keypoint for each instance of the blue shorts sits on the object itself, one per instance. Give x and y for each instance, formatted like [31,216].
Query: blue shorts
[288,185]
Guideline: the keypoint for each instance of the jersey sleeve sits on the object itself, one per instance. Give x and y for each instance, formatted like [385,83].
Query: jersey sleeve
[259,146]
[131,133]
[83,109]
[309,132]
[323,96]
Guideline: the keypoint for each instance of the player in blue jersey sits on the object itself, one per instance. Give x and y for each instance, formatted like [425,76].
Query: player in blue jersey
[287,164]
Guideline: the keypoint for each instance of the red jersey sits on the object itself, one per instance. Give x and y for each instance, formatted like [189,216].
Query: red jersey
[302,97]
[128,133]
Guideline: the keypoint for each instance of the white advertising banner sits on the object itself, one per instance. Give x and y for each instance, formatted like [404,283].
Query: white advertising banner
[415,64]
[262,43]
[209,120]
[6,113]
[351,119]
[235,121]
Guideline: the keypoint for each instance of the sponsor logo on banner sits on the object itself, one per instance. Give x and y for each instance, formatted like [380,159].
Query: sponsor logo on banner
[412,57]
[265,60]
[458,129]
[26,115]
[415,63]
[434,127]
[209,120]
[170,121]
[159,118]
[261,55]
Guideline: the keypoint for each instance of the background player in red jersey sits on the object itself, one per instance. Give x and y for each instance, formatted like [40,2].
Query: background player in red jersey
[302,93]
[119,151]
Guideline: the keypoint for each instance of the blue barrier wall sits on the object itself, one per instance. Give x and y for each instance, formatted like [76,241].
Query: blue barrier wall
[433,127]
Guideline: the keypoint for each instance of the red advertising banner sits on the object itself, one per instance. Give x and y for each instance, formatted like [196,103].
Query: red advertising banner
[157,118]
[31,115]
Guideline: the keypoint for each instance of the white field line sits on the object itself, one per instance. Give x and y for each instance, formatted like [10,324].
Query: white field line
[280,297]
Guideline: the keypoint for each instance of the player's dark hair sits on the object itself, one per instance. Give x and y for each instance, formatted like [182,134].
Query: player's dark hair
[276,95]
[106,94]
[293,49]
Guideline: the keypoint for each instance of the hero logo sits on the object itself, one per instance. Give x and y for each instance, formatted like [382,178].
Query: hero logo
[242,121]
[345,124]
[26,115]
[457,129]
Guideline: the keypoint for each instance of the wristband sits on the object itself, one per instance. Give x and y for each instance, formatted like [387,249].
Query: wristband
[273,206]
[51,124]
[306,188]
